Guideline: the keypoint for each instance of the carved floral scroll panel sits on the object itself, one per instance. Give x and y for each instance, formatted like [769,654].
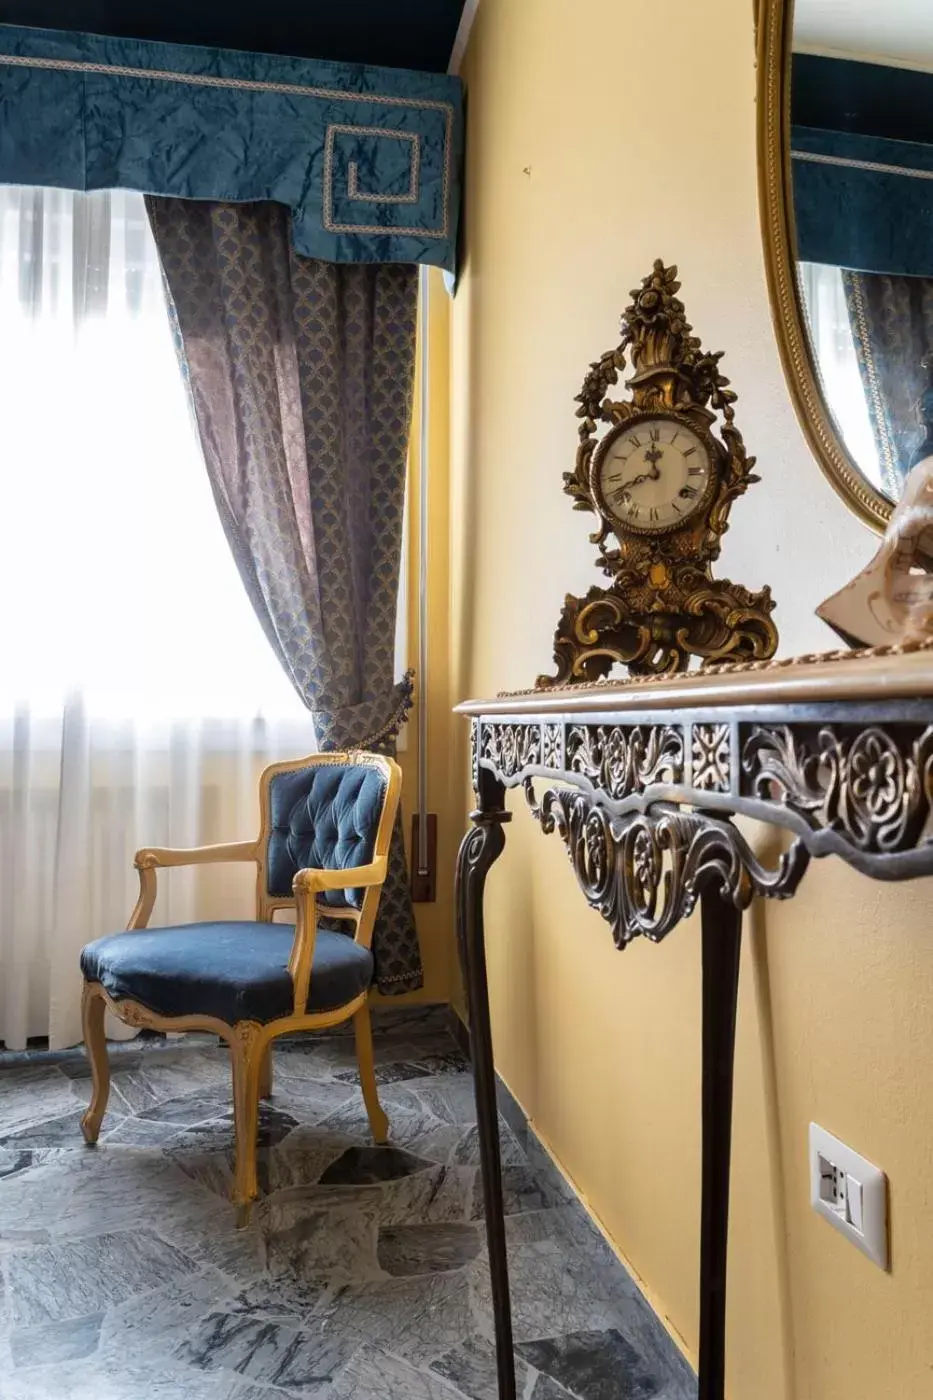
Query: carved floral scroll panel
[632,813]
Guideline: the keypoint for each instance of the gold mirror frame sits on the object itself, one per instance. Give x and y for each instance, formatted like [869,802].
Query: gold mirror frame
[775,36]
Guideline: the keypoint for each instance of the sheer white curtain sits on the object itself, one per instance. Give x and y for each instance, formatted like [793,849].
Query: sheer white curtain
[138,695]
[837,362]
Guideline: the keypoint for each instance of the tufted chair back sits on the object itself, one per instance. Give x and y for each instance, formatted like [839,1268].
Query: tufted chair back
[325,815]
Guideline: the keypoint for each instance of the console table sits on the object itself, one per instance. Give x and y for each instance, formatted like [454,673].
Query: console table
[641,781]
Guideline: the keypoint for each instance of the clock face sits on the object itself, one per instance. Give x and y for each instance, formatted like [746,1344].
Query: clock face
[654,474]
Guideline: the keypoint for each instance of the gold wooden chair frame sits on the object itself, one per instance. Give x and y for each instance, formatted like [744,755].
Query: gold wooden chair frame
[250,1042]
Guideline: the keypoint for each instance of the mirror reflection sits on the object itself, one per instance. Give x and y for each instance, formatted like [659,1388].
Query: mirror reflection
[862,170]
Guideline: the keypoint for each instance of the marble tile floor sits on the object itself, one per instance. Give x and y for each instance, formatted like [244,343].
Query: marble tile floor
[363,1274]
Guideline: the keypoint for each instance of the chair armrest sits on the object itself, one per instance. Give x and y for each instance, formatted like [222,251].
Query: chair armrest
[152,858]
[307,884]
[310,881]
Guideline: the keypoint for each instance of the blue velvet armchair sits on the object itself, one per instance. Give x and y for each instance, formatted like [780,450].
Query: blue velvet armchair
[322,849]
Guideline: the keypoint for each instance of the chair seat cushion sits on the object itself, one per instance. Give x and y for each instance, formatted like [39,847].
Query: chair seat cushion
[234,971]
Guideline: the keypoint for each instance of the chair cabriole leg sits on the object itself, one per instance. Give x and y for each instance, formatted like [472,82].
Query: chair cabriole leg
[265,1074]
[247,1052]
[378,1121]
[93,1010]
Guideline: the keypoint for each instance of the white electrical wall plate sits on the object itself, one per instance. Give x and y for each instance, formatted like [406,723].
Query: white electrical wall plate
[850,1192]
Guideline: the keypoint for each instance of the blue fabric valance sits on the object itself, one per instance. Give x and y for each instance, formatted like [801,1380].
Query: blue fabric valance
[367,159]
[863,202]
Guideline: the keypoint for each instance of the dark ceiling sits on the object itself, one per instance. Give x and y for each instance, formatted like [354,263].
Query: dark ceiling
[398,33]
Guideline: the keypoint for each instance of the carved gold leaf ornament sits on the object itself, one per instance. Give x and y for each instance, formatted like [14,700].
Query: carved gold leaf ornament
[711,753]
[645,872]
[872,789]
[624,760]
[663,604]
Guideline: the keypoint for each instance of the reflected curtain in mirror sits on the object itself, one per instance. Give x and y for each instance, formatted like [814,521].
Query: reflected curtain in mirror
[846,178]
[892,327]
[301,374]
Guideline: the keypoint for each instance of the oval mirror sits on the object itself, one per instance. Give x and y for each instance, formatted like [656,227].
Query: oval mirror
[846,170]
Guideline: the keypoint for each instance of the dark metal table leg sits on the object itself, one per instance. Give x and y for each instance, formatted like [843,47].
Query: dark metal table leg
[722,928]
[480,848]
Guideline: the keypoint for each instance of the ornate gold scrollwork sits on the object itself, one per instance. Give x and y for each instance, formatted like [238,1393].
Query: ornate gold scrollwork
[512,747]
[623,760]
[663,604]
[644,873]
[872,789]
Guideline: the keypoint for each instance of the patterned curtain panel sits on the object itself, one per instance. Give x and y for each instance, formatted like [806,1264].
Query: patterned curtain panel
[892,326]
[301,375]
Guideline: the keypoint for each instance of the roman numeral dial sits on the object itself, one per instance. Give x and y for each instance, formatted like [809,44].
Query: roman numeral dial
[654,476]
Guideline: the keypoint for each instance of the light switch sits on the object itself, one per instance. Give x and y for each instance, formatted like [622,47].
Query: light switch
[854,1203]
[850,1192]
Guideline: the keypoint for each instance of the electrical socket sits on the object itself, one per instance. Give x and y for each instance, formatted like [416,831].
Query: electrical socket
[850,1192]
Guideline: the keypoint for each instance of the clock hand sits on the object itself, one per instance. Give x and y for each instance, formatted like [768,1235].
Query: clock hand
[653,475]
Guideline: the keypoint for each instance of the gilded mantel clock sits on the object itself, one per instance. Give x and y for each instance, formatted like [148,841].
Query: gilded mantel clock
[662,483]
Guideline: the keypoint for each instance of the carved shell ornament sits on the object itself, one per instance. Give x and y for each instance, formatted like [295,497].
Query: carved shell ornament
[661,483]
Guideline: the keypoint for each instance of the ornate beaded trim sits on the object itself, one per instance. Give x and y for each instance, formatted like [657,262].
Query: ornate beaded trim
[728,668]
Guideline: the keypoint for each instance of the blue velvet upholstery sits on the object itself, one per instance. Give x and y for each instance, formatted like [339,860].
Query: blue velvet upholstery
[234,971]
[366,159]
[324,817]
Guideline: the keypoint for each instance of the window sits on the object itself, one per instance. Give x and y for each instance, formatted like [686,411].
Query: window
[115,576]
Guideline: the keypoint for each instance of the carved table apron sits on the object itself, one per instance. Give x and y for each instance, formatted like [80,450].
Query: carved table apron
[641,780]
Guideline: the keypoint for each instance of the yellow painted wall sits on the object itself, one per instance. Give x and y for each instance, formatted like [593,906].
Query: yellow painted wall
[602,134]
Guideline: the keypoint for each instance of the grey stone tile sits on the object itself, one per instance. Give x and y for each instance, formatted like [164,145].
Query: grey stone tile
[545,1388]
[471,1369]
[297,1162]
[245,1390]
[553,1290]
[105,1188]
[396,1071]
[594,1365]
[64,1131]
[405,1250]
[70,1340]
[317,1059]
[171,1074]
[87,1380]
[335,1217]
[182,1111]
[130,1091]
[148,1329]
[21,1239]
[218,1134]
[15,1159]
[278,1299]
[272,1352]
[302,1158]
[449,1097]
[362,1166]
[522,1190]
[337,1244]
[310,1101]
[408,1114]
[79,1067]
[416,1319]
[70,1278]
[138,1132]
[373,1375]
[458,1145]
[33,1094]
[432,1196]
[212,1169]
